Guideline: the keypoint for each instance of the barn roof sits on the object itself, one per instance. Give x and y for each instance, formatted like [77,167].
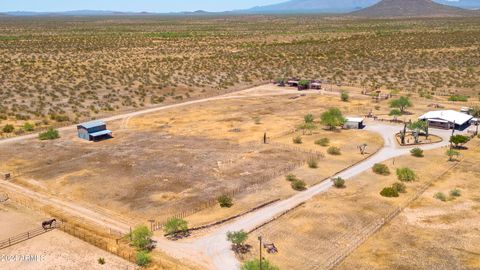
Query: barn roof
[92,124]
[355,119]
[447,115]
[101,133]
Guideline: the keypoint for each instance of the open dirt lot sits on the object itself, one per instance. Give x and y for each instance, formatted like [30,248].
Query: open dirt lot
[325,225]
[178,159]
[54,250]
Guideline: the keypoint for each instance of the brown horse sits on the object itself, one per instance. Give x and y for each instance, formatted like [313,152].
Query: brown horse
[48,224]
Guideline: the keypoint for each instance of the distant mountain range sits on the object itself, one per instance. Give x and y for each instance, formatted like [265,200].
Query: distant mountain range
[342,6]
[411,8]
[291,6]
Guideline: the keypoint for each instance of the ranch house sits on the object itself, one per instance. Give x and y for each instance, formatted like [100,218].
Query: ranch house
[447,119]
[93,131]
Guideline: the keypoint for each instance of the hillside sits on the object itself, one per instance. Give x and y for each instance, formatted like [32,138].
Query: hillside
[411,8]
[341,6]
[316,5]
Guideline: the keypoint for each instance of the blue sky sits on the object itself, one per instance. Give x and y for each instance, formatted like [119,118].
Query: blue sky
[130,5]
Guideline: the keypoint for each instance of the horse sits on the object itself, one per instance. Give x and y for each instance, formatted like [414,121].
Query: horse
[48,224]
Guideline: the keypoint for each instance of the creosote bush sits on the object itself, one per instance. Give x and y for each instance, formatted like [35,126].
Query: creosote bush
[389,192]
[406,175]
[225,201]
[334,151]
[50,134]
[338,182]
[143,258]
[312,163]
[323,142]
[416,152]
[400,187]
[381,169]
[101,261]
[299,185]
[175,225]
[297,140]
[440,196]
[455,192]
[256,265]
[291,177]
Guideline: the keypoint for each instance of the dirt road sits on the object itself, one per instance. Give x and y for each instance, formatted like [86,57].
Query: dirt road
[215,245]
[213,251]
[248,93]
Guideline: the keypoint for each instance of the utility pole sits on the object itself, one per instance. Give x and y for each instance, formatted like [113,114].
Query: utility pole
[260,240]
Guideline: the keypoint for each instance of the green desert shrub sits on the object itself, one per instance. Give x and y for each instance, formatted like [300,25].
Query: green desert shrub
[255,265]
[344,96]
[143,258]
[8,128]
[174,225]
[440,196]
[323,142]
[455,192]
[141,236]
[338,182]
[101,261]
[406,175]
[333,150]
[312,163]
[50,134]
[28,127]
[458,98]
[381,169]
[389,192]
[416,152]
[225,201]
[400,187]
[297,140]
[291,177]
[299,185]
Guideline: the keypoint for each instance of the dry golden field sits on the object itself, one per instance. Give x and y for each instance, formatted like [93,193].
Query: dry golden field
[179,159]
[428,234]
[57,70]
[431,233]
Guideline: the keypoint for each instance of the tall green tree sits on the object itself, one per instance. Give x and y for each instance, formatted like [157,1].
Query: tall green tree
[237,238]
[459,140]
[141,236]
[333,118]
[401,103]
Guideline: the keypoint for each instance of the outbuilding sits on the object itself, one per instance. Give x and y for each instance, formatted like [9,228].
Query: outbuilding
[354,123]
[93,131]
[447,119]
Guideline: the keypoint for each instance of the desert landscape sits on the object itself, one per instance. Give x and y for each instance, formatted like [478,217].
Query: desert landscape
[254,140]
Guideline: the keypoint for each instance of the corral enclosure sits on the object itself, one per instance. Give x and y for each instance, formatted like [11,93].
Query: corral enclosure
[176,160]
[56,70]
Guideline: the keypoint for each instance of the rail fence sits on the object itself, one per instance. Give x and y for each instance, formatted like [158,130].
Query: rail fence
[24,237]
[335,258]
[103,237]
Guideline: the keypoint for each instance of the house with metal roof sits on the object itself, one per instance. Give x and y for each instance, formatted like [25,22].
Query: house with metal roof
[447,119]
[93,131]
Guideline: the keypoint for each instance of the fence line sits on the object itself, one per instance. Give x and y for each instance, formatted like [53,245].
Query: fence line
[24,237]
[337,257]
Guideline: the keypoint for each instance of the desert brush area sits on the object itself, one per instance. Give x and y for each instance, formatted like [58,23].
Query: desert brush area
[226,141]
[77,69]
